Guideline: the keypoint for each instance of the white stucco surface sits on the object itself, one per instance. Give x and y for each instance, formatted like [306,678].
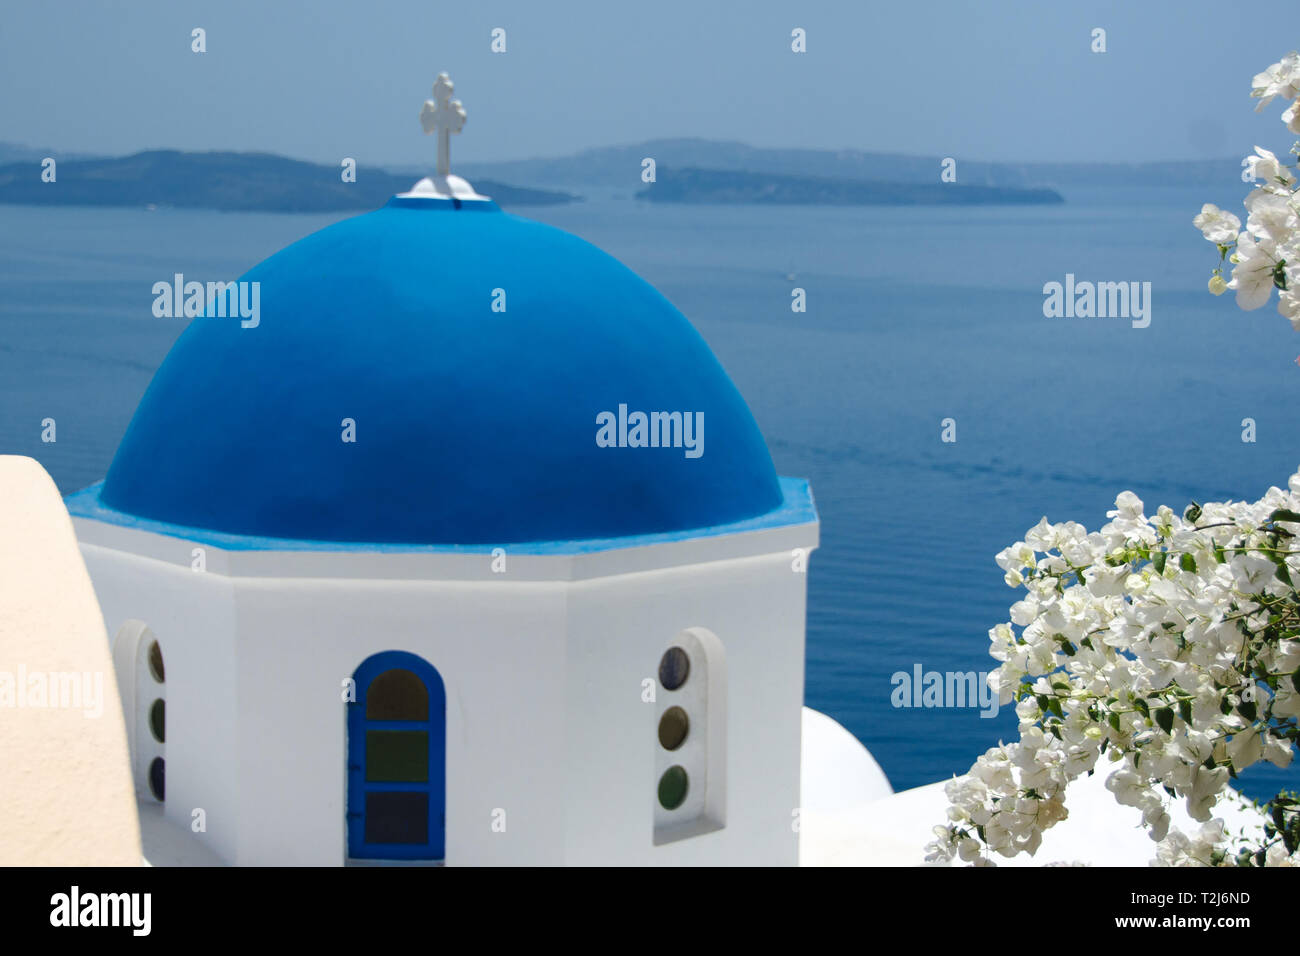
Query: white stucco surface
[836,771]
[551,740]
[67,796]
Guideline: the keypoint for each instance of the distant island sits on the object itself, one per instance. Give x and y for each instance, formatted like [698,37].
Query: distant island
[620,167]
[688,170]
[727,186]
[235,182]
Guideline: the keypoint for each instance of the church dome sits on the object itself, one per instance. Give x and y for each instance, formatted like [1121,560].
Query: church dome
[472,425]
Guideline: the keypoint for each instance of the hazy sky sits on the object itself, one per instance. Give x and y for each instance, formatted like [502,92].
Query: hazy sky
[1001,79]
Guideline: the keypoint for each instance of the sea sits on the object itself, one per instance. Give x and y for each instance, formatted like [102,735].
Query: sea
[920,323]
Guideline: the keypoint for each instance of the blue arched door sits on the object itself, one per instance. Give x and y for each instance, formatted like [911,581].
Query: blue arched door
[397,760]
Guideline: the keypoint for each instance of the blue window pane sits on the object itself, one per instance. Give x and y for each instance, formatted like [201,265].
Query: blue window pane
[397,756]
[397,818]
[397,694]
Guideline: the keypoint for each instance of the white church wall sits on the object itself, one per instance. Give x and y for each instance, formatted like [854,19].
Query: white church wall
[619,628]
[499,649]
[550,749]
[190,613]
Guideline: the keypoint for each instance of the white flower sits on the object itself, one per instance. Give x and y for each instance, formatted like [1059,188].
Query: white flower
[1179,850]
[1276,750]
[1127,505]
[1266,169]
[1286,656]
[1129,787]
[1287,701]
[1288,305]
[1291,116]
[1252,277]
[1216,225]
[1267,254]
[1276,855]
[1245,749]
[1153,666]
[1271,216]
[1280,79]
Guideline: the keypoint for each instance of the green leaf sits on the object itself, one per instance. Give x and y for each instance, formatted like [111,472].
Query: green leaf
[1165,719]
[1185,711]
[1158,561]
[1141,704]
[1285,514]
[1193,513]
[1187,563]
[1247,709]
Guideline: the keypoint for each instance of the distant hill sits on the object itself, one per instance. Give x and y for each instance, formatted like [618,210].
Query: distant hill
[727,186]
[620,166]
[244,182]
[19,152]
[261,181]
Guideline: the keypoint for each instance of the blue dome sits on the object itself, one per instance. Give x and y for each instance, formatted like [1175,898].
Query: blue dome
[472,426]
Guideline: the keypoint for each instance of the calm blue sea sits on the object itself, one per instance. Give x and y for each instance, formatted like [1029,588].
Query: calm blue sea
[913,316]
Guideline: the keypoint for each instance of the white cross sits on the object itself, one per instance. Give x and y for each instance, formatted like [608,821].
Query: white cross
[445,115]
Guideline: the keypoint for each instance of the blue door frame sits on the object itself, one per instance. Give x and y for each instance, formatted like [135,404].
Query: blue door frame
[364,793]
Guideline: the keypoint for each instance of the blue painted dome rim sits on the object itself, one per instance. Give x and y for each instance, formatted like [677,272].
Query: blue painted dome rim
[796,508]
[440,203]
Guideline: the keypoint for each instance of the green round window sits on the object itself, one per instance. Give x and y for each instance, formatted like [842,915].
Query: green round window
[158,720]
[672,788]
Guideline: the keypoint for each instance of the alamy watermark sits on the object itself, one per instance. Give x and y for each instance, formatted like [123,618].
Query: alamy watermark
[190,300]
[53,690]
[1101,300]
[922,688]
[651,430]
[131,911]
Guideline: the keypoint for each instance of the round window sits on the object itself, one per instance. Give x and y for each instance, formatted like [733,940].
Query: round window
[672,788]
[674,667]
[157,778]
[158,720]
[156,662]
[673,727]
